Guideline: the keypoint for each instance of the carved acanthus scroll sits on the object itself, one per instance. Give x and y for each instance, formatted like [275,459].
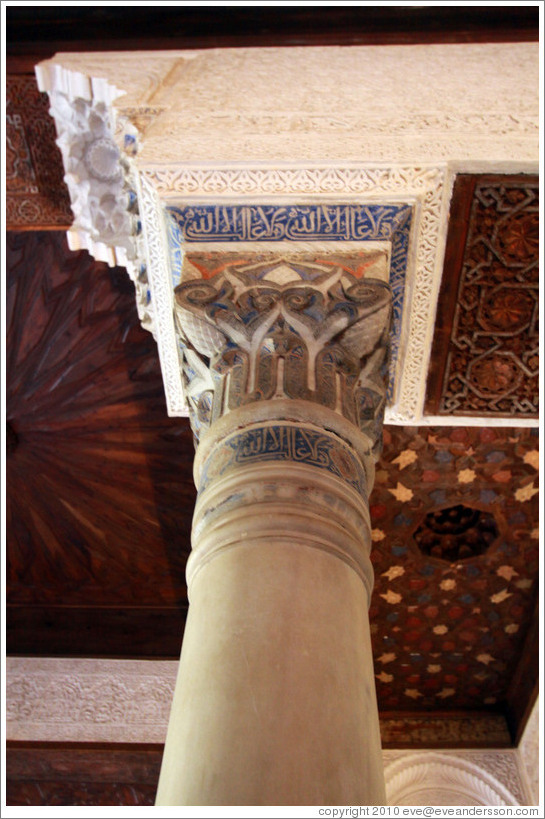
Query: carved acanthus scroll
[285,329]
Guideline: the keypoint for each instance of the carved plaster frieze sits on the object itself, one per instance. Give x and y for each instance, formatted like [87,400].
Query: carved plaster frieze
[529,749]
[88,700]
[160,295]
[95,166]
[281,329]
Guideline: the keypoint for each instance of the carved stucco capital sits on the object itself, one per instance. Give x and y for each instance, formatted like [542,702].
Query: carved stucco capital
[285,330]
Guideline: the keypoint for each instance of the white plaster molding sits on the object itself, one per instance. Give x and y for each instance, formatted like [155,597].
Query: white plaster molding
[100,173]
[107,197]
[324,179]
[454,778]
[162,297]
[404,104]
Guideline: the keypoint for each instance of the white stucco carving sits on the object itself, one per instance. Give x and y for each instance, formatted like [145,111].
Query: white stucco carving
[415,104]
[88,700]
[95,166]
[454,778]
[161,296]
[117,217]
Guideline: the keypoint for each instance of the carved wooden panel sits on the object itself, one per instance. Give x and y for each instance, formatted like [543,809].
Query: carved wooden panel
[485,354]
[36,195]
[64,774]
[78,793]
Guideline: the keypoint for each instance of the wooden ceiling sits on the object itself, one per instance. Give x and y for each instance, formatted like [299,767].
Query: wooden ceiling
[47,30]
[98,475]
[99,480]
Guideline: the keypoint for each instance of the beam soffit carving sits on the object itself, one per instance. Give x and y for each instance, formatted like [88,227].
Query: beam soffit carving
[137,132]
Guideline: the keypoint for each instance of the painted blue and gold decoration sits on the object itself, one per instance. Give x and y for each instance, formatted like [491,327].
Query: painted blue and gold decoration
[209,227]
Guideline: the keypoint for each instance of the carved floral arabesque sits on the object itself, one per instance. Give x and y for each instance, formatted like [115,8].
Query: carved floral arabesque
[307,229]
[92,700]
[97,172]
[342,180]
[155,248]
[107,699]
[424,183]
[370,73]
[379,98]
[385,148]
[343,122]
[94,166]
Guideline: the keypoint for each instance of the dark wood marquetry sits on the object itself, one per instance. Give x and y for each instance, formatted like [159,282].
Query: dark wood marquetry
[99,487]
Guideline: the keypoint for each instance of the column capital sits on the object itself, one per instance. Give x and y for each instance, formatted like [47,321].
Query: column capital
[280,331]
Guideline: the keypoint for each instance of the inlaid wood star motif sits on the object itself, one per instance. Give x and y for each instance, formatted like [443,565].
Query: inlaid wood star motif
[507,572]
[408,456]
[401,492]
[500,597]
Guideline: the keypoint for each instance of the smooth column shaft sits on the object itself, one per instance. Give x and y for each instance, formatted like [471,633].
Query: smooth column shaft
[275,701]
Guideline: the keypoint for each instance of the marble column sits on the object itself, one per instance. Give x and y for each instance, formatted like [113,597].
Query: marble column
[275,704]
